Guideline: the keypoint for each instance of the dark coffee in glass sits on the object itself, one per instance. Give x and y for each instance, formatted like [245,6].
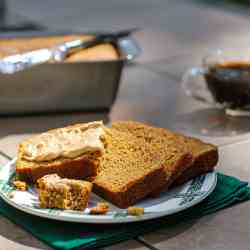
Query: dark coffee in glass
[229,83]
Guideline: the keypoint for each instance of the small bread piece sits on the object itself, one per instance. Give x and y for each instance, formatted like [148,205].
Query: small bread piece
[136,211]
[71,152]
[62,193]
[205,155]
[100,208]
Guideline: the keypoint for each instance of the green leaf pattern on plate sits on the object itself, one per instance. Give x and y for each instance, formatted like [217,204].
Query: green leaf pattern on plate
[120,214]
[193,190]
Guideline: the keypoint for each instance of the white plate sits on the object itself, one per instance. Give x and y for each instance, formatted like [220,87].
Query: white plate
[169,202]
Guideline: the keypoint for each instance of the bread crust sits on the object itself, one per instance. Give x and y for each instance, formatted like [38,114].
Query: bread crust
[181,166]
[204,163]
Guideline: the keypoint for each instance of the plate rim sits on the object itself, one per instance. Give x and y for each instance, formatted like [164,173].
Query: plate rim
[95,219]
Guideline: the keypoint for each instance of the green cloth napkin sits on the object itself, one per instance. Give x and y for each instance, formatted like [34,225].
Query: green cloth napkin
[65,235]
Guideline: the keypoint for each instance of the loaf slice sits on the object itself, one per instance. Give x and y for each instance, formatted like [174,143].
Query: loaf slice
[71,152]
[130,170]
[204,155]
[78,168]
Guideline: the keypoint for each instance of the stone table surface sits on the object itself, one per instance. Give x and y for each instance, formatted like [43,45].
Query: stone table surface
[176,35]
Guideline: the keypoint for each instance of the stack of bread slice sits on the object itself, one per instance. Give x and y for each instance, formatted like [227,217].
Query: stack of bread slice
[181,157]
[204,155]
[138,160]
[130,170]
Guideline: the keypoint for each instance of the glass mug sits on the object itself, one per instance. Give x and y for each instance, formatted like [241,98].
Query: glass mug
[223,80]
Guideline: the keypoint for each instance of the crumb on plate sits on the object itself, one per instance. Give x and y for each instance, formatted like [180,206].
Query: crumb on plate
[11,195]
[136,211]
[100,208]
[20,185]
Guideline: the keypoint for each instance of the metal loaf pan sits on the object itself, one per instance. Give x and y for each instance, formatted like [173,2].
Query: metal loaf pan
[77,86]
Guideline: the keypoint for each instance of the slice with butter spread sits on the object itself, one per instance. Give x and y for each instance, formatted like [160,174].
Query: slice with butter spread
[71,152]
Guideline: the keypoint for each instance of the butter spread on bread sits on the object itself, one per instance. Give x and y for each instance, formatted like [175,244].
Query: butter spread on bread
[68,142]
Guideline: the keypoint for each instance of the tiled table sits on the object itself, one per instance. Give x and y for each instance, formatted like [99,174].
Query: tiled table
[178,33]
